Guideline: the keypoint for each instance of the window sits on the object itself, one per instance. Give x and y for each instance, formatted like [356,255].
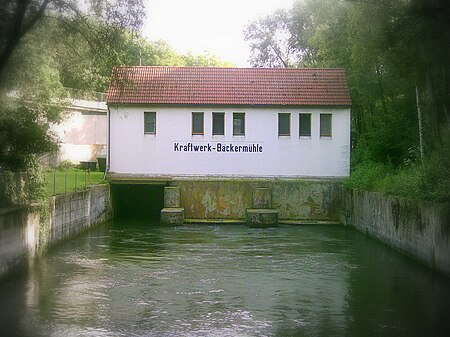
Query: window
[197,123]
[150,122]
[218,126]
[238,124]
[325,125]
[305,125]
[284,124]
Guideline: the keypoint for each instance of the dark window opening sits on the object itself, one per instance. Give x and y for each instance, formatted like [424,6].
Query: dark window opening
[284,124]
[218,126]
[238,124]
[305,125]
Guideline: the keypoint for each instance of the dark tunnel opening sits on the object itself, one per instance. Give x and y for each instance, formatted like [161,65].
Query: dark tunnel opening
[137,201]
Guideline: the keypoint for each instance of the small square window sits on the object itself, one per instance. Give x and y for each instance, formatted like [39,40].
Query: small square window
[150,122]
[325,125]
[238,124]
[218,126]
[197,123]
[284,124]
[305,125]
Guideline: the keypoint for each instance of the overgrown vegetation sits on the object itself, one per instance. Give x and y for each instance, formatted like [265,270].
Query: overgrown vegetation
[414,179]
[21,188]
[397,58]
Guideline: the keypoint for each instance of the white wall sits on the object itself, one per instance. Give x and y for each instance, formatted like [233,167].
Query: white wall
[82,133]
[132,151]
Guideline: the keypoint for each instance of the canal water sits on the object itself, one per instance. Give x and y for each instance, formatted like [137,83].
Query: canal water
[140,279]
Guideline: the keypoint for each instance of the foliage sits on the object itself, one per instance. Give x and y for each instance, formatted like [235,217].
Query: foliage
[82,69]
[436,172]
[32,95]
[405,182]
[429,180]
[204,60]
[19,18]
[390,50]
[19,188]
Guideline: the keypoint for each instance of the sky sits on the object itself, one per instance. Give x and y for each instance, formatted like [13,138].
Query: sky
[214,26]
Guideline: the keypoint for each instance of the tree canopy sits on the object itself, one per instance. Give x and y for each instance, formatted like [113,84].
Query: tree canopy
[32,94]
[397,57]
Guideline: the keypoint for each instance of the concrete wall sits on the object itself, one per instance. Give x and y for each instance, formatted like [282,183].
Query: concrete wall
[134,152]
[19,237]
[417,229]
[74,212]
[229,198]
[23,236]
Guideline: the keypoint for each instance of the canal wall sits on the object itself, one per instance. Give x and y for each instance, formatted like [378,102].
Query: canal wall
[74,212]
[19,236]
[26,231]
[418,229]
[295,200]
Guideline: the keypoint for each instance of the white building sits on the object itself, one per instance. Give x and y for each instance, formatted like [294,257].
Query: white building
[253,122]
[82,133]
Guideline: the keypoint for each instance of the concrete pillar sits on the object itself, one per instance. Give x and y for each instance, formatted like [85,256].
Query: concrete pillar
[172,213]
[261,198]
[171,197]
[172,216]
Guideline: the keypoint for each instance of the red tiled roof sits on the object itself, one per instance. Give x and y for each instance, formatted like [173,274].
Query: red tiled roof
[229,86]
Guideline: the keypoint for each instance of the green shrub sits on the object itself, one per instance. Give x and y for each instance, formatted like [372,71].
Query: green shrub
[428,181]
[436,172]
[22,188]
[366,176]
[404,182]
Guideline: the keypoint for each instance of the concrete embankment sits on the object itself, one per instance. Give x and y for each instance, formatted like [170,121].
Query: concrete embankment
[418,229]
[295,200]
[26,231]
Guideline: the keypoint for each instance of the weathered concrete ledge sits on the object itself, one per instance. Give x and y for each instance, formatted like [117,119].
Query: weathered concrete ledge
[214,221]
[26,231]
[172,216]
[261,217]
[226,198]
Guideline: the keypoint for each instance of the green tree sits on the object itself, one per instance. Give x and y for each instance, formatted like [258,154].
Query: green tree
[278,40]
[203,60]
[391,50]
[32,95]
[20,17]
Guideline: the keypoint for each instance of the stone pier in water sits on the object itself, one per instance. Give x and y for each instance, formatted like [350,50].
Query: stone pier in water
[172,213]
[262,214]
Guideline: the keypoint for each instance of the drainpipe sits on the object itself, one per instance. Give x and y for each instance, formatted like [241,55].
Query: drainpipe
[108,145]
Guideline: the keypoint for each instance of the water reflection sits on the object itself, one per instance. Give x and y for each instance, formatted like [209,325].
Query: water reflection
[138,279]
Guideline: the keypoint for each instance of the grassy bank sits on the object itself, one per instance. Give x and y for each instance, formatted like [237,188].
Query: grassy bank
[70,180]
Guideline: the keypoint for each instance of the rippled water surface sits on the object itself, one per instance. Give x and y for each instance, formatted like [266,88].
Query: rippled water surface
[140,279]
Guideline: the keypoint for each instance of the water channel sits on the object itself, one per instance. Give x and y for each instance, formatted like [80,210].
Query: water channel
[140,279]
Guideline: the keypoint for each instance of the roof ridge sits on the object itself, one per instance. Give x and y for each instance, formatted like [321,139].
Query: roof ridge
[234,68]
